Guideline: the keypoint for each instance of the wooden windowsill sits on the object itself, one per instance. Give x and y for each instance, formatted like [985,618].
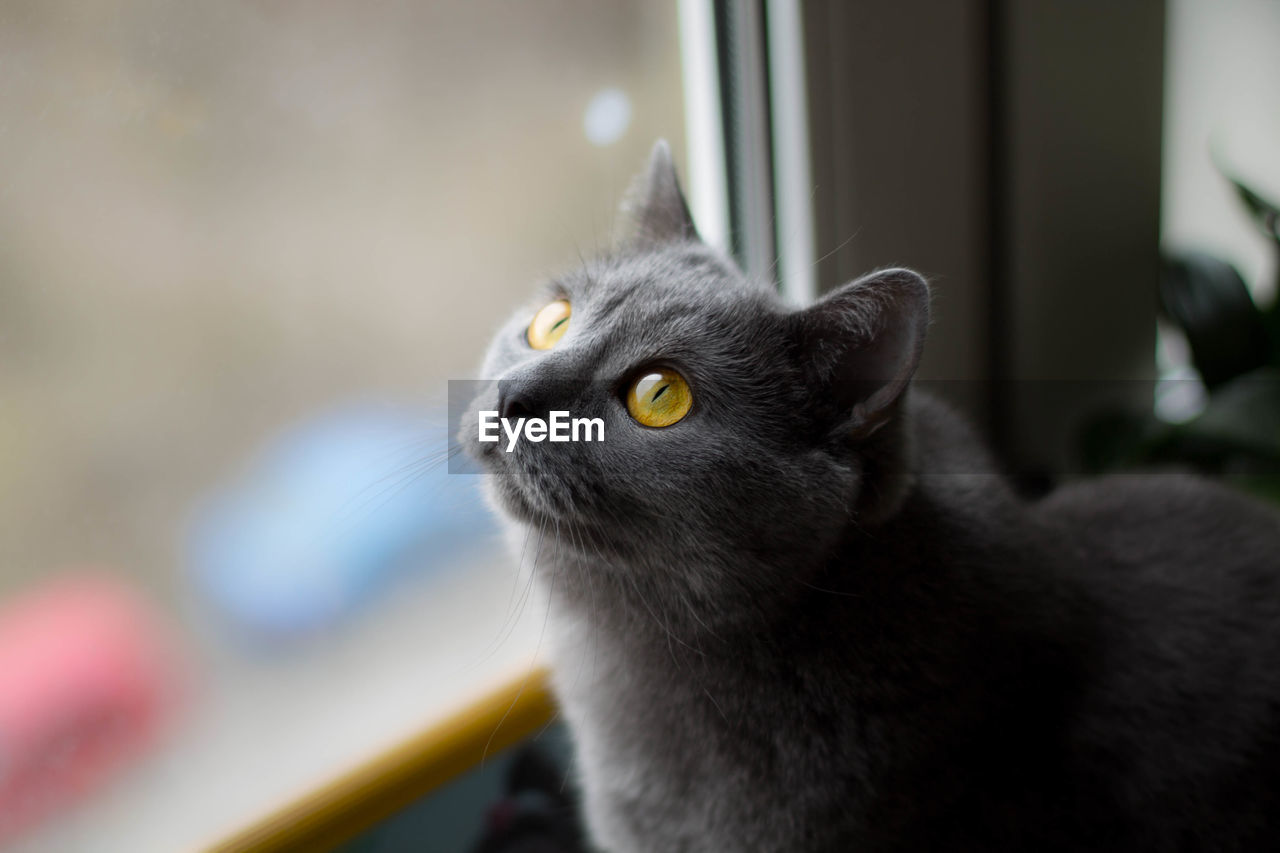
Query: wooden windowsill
[342,808]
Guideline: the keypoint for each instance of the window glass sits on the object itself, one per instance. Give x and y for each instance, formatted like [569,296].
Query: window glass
[242,248]
[1220,125]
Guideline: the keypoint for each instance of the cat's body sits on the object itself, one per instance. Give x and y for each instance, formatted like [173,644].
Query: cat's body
[810,618]
[975,674]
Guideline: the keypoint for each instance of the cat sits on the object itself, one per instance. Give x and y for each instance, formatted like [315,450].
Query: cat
[798,609]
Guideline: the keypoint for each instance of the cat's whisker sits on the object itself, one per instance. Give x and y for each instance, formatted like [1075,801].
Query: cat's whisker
[510,614]
[404,474]
[513,617]
[532,663]
[643,600]
[484,753]
[716,704]
[693,613]
[827,591]
[639,596]
[592,598]
[846,241]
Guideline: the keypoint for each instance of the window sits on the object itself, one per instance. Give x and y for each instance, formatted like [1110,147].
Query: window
[229,231]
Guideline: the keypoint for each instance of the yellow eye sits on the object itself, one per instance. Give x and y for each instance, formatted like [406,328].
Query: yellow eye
[549,325]
[659,398]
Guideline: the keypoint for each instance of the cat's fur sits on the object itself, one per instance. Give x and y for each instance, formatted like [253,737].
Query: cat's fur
[805,619]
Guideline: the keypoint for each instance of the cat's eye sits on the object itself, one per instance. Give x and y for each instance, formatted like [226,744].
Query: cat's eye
[549,324]
[659,398]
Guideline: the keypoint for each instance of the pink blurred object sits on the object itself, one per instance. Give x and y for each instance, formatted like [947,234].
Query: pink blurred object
[85,684]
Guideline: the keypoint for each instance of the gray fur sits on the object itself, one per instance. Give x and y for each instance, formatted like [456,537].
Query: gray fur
[797,620]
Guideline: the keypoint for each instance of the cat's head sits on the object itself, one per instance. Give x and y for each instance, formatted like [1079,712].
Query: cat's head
[741,439]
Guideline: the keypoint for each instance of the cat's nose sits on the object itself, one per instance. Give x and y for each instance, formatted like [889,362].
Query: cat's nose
[515,400]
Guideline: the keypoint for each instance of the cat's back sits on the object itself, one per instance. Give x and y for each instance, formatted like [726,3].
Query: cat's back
[1169,528]
[1185,578]
[1184,575]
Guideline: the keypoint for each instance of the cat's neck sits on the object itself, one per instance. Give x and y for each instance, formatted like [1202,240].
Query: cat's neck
[951,470]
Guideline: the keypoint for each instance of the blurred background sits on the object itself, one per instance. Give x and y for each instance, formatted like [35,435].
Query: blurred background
[244,245]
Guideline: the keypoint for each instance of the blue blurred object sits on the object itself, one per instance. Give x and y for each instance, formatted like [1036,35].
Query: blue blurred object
[329,514]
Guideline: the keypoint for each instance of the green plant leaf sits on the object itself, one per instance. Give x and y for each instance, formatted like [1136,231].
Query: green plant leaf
[1209,301]
[1264,211]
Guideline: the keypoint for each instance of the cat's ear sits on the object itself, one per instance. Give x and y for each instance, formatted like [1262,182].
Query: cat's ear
[656,206]
[863,343]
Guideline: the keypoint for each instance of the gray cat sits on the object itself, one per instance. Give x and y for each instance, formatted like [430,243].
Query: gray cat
[791,609]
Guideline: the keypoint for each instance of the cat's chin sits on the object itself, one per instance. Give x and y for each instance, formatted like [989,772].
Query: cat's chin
[507,496]
[511,500]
